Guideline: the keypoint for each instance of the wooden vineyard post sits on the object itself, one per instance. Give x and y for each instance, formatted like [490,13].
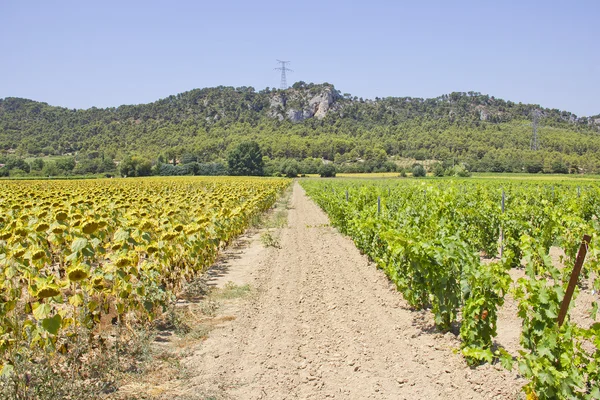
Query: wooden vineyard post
[573,281]
[578,191]
[378,205]
[502,229]
[346,195]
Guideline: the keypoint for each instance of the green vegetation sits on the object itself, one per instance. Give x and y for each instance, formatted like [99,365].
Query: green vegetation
[418,171]
[204,126]
[246,159]
[429,236]
[327,171]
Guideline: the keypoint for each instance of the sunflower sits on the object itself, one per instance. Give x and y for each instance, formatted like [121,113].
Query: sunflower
[18,253]
[169,236]
[89,227]
[123,262]
[151,249]
[42,227]
[37,254]
[77,273]
[61,216]
[48,290]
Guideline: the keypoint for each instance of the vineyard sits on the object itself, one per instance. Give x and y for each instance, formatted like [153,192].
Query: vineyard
[448,246]
[78,258]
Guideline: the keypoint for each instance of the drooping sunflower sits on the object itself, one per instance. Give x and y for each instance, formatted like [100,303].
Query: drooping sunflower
[77,272]
[48,290]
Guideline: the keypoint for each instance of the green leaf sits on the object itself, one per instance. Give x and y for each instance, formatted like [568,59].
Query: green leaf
[506,359]
[92,305]
[78,245]
[76,300]
[52,325]
[7,370]
[41,311]
[121,235]
[594,311]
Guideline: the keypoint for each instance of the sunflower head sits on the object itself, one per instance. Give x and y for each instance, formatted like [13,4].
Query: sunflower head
[89,227]
[37,254]
[42,227]
[77,273]
[123,262]
[61,216]
[48,290]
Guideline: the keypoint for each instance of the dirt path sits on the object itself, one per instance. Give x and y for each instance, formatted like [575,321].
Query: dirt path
[325,323]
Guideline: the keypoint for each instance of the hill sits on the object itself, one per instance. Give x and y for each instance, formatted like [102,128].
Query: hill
[310,121]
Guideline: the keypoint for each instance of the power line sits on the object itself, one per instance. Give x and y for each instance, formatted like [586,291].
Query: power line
[283,70]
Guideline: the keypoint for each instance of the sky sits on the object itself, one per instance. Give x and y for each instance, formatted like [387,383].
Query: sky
[80,54]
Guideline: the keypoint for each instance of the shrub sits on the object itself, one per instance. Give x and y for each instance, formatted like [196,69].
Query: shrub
[418,171]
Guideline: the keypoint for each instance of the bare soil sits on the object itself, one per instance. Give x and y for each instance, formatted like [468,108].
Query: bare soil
[322,322]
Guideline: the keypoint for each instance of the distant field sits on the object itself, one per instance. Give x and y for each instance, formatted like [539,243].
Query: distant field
[535,177]
[477,175]
[370,175]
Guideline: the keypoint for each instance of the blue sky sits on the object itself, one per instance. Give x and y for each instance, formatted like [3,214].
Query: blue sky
[80,54]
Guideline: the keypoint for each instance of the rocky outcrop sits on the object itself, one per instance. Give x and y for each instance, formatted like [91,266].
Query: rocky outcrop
[322,103]
[299,105]
[483,114]
[277,106]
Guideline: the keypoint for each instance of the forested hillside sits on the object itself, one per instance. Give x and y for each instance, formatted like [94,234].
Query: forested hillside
[304,122]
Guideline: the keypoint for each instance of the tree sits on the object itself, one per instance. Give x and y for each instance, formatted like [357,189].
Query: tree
[327,171]
[135,166]
[65,164]
[246,159]
[50,169]
[438,169]
[290,168]
[37,164]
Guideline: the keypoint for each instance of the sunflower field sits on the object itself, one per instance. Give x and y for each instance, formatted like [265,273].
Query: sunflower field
[78,255]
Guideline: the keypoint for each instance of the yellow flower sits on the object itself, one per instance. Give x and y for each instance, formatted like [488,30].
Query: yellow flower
[18,253]
[146,225]
[42,227]
[20,232]
[169,236]
[38,254]
[89,227]
[77,273]
[48,290]
[123,262]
